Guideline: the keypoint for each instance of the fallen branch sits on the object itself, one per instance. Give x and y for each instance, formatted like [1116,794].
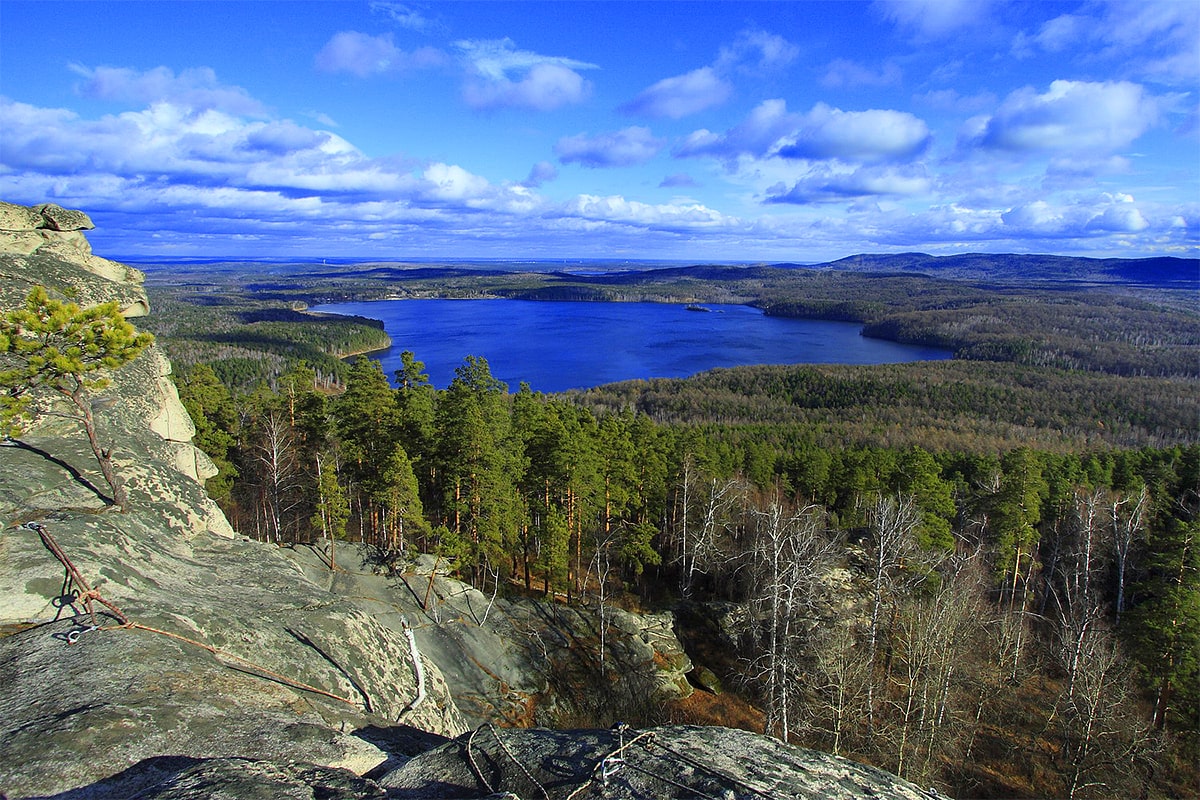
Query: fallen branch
[418,667]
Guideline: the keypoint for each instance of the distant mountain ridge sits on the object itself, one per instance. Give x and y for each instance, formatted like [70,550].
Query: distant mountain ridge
[1161,271]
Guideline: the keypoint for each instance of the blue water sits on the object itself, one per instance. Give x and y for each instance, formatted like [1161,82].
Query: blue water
[554,346]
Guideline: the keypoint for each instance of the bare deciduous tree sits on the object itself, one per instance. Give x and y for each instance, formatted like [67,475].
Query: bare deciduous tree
[791,553]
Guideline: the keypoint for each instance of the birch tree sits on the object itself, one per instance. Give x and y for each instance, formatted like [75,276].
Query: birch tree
[791,552]
[893,521]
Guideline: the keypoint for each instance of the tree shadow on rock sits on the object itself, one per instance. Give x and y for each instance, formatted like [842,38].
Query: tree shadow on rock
[145,774]
[400,742]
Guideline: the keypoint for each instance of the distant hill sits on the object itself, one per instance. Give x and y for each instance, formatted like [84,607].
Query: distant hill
[1161,272]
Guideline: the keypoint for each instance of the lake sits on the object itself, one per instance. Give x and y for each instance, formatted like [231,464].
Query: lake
[555,346]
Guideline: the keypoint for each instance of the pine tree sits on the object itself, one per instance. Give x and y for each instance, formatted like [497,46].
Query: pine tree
[51,347]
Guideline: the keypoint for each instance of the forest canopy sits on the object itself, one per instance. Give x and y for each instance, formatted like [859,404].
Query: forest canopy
[1013,529]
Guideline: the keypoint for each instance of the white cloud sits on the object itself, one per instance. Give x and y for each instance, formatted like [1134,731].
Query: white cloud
[623,148]
[758,51]
[362,55]
[1072,116]
[681,95]
[452,182]
[842,73]
[826,184]
[823,133]
[1084,217]
[171,152]
[503,77]
[873,135]
[196,88]
[1037,216]
[1155,39]
[757,135]
[406,16]
[675,216]
[496,58]
[276,187]
[1061,32]
[1122,216]
[752,51]
[935,19]
[544,88]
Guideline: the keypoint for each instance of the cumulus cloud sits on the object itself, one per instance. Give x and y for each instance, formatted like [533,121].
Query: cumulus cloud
[195,153]
[452,182]
[623,148]
[873,135]
[278,187]
[825,184]
[1121,216]
[752,51]
[615,208]
[196,88]
[1037,216]
[502,76]
[823,133]
[681,95]
[1155,38]
[1099,215]
[757,135]
[1076,116]
[1060,33]
[362,55]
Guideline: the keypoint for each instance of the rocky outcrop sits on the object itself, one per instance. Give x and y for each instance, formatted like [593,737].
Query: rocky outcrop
[660,763]
[46,233]
[490,763]
[515,660]
[44,245]
[233,652]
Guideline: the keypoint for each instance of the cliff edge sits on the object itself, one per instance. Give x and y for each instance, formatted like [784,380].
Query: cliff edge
[210,645]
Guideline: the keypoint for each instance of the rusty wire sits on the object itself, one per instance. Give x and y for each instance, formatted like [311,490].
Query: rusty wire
[88,594]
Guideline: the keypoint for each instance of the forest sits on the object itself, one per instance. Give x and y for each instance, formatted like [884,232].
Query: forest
[982,574]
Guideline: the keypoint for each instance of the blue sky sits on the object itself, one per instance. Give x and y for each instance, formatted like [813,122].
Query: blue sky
[801,131]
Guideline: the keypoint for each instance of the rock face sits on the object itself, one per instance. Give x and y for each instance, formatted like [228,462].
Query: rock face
[204,665]
[659,763]
[238,654]
[35,238]
[489,763]
[519,661]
